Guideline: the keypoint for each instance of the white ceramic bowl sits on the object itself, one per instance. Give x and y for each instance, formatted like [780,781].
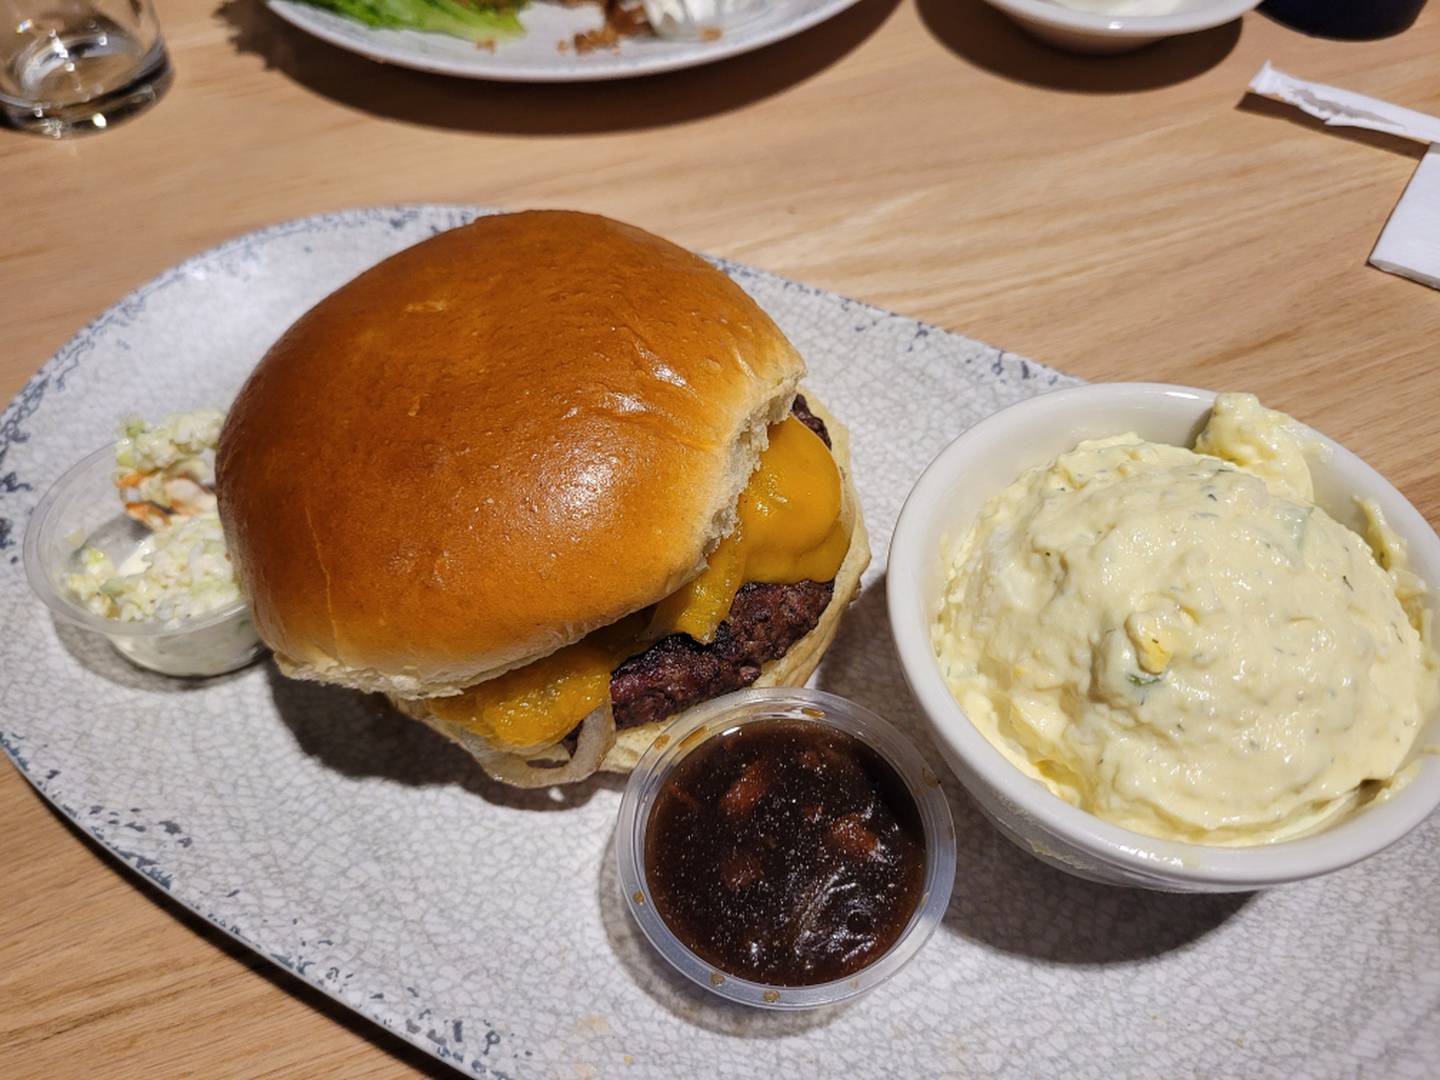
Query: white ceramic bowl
[944,503]
[1095,32]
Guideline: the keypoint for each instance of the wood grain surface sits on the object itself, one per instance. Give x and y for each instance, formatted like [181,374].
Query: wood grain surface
[1127,218]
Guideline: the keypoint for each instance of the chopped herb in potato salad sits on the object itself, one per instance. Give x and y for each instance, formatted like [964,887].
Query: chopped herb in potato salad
[165,477]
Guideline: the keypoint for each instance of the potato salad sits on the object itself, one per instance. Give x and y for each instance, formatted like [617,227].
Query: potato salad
[1181,642]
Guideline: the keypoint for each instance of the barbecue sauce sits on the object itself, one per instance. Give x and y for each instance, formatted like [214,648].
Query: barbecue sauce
[785,852]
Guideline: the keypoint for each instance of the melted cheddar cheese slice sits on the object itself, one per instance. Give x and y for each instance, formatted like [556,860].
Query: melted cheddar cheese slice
[789,528]
[535,706]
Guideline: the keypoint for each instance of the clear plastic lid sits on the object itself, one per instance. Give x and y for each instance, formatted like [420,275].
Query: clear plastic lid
[723,715]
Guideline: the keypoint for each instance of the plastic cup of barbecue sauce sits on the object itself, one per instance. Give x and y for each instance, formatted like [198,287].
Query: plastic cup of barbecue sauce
[785,848]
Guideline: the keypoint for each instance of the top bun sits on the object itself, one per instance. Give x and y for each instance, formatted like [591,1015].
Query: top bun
[491,444]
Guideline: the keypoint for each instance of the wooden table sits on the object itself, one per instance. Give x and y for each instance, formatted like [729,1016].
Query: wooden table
[1128,218]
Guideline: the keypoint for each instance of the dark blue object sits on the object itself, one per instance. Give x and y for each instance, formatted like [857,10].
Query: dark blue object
[1354,19]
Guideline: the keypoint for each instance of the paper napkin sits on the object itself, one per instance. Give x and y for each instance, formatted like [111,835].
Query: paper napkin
[1410,243]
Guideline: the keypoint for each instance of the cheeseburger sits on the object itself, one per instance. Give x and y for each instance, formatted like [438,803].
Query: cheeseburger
[545,481]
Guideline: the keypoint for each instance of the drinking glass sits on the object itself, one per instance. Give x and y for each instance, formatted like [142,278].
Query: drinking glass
[78,65]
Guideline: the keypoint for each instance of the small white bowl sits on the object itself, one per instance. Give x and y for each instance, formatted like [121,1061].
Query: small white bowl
[83,509]
[1095,32]
[943,504]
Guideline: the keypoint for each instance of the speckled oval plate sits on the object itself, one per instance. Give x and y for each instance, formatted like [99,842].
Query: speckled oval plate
[370,858]
[546,53]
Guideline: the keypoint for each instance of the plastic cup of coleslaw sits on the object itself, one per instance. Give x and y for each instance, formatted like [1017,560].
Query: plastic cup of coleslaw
[81,510]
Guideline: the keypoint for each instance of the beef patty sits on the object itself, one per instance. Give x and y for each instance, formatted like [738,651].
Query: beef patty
[678,671]
[800,409]
[764,621]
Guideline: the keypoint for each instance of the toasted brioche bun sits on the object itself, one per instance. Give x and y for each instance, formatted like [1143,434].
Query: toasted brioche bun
[598,751]
[491,444]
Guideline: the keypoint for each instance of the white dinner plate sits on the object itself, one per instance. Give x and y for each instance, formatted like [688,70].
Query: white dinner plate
[364,854]
[538,56]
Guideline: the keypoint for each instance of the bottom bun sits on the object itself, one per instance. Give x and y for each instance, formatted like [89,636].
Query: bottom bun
[601,747]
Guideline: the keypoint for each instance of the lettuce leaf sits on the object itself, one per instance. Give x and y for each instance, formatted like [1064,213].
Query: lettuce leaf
[476,20]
